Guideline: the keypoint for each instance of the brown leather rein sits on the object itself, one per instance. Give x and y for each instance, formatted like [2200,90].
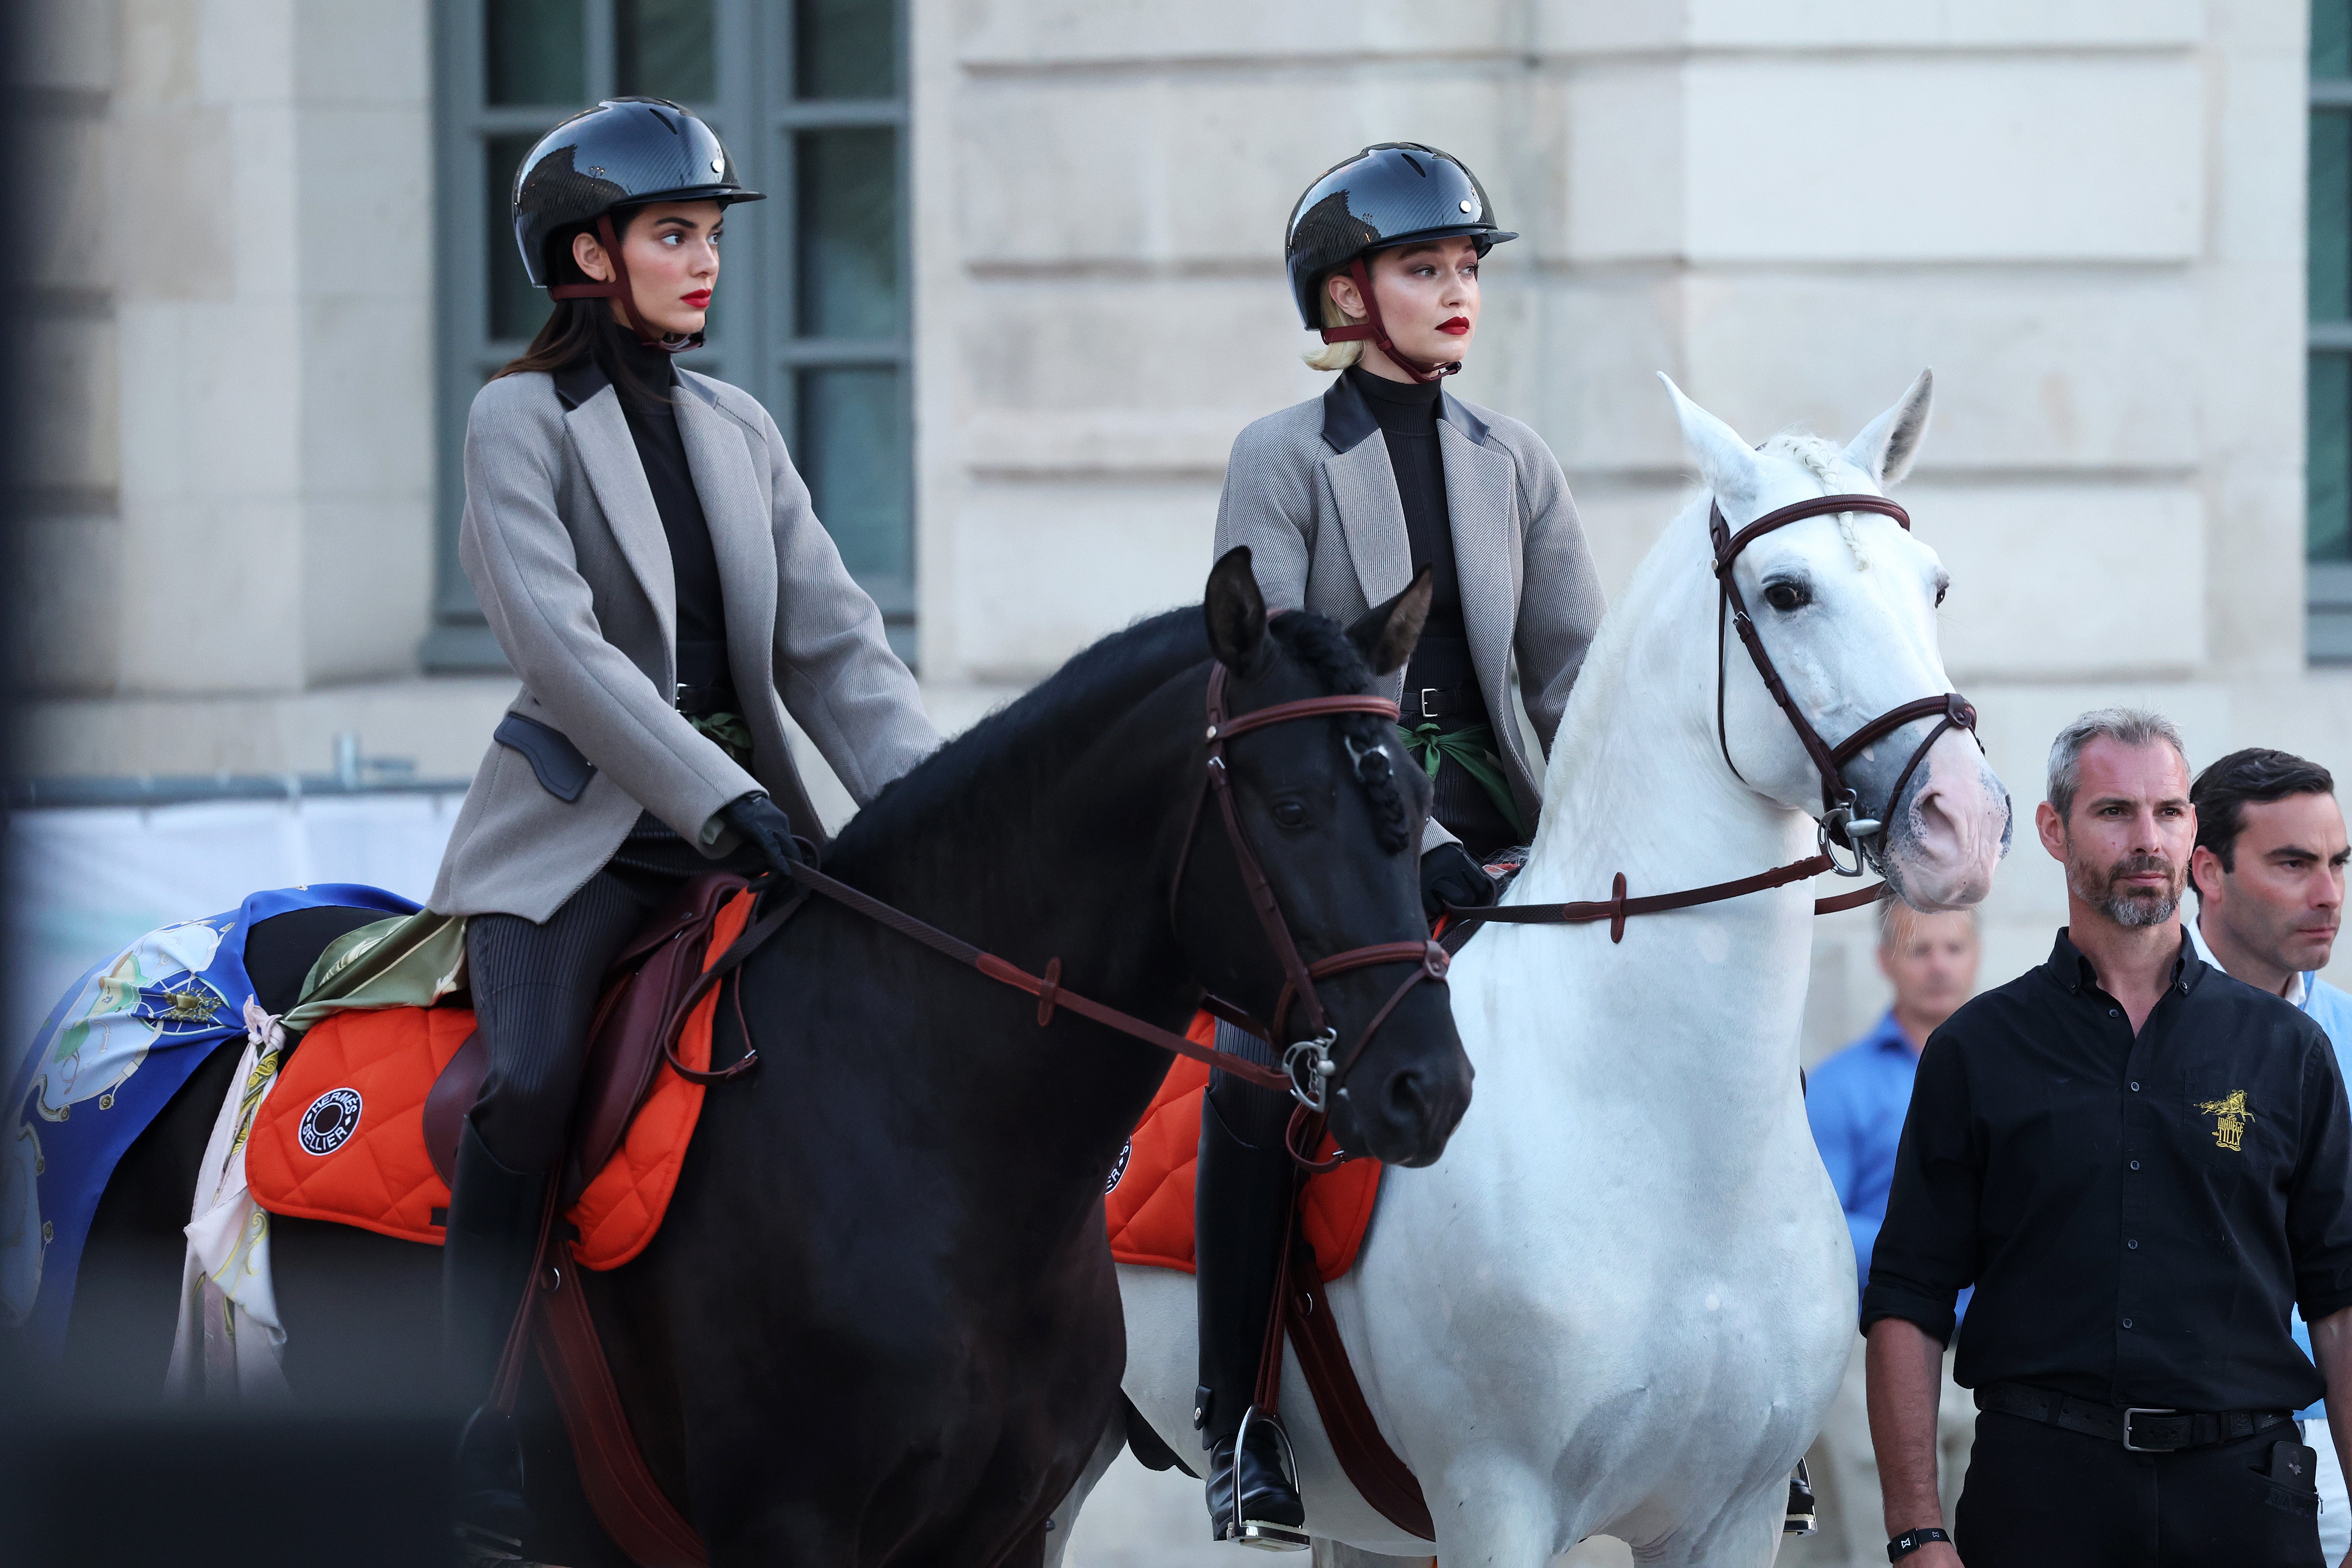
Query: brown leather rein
[1840,826]
[1309,1066]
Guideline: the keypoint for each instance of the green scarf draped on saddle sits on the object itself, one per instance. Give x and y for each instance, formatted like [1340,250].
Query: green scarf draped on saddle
[1473,746]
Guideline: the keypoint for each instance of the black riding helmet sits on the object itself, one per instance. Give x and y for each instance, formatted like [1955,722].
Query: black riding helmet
[1396,193]
[626,151]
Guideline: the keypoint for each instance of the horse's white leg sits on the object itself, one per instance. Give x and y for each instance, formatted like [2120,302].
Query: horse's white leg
[1495,1517]
[1746,1534]
[1333,1554]
[1066,1518]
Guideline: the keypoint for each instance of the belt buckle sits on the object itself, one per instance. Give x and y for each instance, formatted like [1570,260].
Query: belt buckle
[2130,1411]
[1426,693]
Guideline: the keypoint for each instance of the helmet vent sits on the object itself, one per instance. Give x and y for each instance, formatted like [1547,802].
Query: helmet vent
[1416,164]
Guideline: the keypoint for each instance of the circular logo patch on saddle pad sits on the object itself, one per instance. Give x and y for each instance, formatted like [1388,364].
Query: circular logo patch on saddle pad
[1119,1166]
[330,1120]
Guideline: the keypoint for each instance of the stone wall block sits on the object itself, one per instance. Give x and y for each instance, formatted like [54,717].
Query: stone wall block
[70,159]
[365,183]
[1934,24]
[209,597]
[1593,360]
[66,603]
[63,46]
[377,53]
[1627,165]
[174,205]
[1623,520]
[366,415]
[366,585]
[2041,368]
[71,439]
[2057,581]
[1054,172]
[1042,345]
[2017,159]
[158,64]
[1031,32]
[1115,551]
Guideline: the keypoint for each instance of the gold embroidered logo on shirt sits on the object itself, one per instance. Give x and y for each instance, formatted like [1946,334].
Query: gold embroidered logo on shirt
[2230,1117]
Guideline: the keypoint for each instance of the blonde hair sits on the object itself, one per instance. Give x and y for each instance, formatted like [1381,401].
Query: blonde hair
[1334,356]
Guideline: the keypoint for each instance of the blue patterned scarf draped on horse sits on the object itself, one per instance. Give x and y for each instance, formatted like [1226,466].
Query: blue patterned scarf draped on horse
[110,1056]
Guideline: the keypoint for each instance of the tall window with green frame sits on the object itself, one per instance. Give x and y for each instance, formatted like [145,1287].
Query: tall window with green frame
[2328,454]
[811,313]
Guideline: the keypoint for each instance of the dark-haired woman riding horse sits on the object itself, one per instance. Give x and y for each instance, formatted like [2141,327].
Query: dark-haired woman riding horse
[649,562]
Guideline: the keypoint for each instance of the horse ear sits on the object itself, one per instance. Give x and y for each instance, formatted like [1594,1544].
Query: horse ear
[1235,612]
[1387,634]
[1727,465]
[1887,444]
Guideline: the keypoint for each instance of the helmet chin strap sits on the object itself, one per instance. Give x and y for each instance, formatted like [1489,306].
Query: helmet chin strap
[618,289]
[1373,331]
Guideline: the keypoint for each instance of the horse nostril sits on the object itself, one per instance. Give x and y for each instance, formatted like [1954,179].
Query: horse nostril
[1408,1100]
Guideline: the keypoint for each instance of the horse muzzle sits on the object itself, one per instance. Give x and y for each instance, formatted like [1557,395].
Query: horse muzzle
[1949,830]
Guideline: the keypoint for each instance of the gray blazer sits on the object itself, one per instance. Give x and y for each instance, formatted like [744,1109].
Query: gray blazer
[566,552]
[1311,492]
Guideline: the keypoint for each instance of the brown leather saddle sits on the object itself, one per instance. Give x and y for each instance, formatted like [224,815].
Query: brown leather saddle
[643,990]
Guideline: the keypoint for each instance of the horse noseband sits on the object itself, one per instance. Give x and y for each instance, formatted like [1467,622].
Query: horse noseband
[1308,1062]
[1843,825]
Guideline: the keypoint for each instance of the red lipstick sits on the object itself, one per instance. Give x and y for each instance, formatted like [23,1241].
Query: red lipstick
[1457,326]
[700,298]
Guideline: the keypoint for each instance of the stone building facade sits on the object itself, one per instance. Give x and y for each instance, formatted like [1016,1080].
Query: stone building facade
[2087,216]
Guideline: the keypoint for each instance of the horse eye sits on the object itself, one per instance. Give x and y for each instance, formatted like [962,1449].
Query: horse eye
[1787,597]
[1290,814]
[1943,586]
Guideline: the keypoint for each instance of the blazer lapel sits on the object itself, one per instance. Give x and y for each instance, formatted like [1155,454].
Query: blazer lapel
[741,535]
[608,456]
[1373,519]
[1481,498]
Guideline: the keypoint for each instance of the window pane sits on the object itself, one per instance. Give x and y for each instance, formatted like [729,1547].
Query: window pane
[662,48]
[852,451]
[2328,517]
[849,48]
[2331,217]
[516,309]
[2331,38]
[848,255]
[535,51]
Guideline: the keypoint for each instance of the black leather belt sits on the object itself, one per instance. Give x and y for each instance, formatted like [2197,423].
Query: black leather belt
[697,700]
[1443,702]
[2139,1428]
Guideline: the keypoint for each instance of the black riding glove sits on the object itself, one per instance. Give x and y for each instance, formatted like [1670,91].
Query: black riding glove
[1449,875]
[764,826]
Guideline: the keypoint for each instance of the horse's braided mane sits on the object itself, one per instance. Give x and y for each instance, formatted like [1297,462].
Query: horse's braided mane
[981,770]
[1326,650]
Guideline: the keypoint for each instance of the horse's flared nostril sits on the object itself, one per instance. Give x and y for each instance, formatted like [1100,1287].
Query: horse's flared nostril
[1408,1100]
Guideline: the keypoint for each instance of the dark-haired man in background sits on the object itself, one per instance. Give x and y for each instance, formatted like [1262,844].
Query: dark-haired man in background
[2142,1165]
[2269,874]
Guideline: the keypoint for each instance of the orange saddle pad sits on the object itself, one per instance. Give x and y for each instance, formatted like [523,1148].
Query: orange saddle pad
[341,1136]
[1149,1204]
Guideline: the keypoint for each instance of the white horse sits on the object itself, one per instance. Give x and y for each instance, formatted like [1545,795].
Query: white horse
[1622,1299]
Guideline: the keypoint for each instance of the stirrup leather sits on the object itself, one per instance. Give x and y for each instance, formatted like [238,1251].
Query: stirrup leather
[1263,1534]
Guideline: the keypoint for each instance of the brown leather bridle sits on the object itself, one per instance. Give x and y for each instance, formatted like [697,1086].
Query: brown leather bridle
[1308,1068]
[1307,1063]
[1841,823]
[1840,826]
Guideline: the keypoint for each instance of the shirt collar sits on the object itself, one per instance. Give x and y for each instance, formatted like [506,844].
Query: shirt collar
[1889,1035]
[2072,971]
[2298,986]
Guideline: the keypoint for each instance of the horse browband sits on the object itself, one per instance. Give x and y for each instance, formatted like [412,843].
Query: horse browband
[1839,803]
[1299,977]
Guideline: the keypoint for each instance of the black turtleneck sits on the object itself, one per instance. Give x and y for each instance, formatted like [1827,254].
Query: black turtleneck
[694,564]
[1407,413]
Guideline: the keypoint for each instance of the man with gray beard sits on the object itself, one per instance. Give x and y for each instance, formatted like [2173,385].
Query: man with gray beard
[2141,1165]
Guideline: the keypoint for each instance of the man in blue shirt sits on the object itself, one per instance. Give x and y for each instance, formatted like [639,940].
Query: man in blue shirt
[2269,874]
[1855,1101]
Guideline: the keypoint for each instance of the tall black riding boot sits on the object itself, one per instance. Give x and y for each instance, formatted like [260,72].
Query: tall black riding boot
[1242,1197]
[485,1266]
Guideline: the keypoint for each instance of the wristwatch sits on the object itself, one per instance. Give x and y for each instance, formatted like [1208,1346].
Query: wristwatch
[1910,1541]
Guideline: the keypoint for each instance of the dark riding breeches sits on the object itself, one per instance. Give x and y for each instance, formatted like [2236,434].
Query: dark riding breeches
[535,988]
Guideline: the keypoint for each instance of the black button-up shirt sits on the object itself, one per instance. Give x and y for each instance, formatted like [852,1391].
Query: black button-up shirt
[2137,1214]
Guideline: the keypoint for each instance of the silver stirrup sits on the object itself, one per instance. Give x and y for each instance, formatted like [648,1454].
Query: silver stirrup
[1257,1533]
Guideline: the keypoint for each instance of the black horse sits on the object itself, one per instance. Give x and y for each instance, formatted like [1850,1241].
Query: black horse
[881,1325]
